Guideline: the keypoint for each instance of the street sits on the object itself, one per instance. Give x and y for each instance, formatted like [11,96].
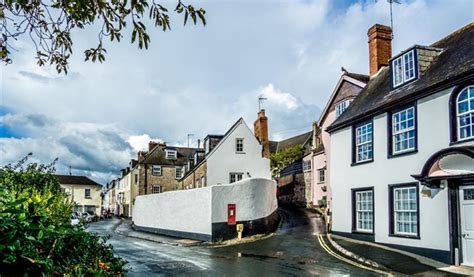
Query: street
[293,251]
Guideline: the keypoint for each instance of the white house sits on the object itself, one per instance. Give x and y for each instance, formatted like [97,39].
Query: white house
[229,158]
[402,154]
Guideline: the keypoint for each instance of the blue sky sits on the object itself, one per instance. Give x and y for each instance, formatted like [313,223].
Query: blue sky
[200,80]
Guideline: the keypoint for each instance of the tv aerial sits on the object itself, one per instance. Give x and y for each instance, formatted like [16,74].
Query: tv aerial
[391,12]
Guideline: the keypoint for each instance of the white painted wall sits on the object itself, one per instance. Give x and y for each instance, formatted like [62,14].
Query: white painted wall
[195,210]
[225,160]
[184,210]
[254,198]
[433,135]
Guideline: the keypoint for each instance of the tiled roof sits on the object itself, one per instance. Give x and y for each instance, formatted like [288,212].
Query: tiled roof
[453,65]
[303,139]
[157,155]
[76,180]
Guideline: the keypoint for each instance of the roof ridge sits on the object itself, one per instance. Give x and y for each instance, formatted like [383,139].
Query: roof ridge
[458,31]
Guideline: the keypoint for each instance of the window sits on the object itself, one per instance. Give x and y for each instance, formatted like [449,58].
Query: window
[363,210]
[136,178]
[404,210]
[403,130]
[307,165]
[342,106]
[403,68]
[363,143]
[179,172]
[234,177]
[156,170]
[87,193]
[465,113]
[239,145]
[203,181]
[321,175]
[171,154]
[156,189]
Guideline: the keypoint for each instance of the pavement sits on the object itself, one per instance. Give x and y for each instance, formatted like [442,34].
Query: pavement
[395,261]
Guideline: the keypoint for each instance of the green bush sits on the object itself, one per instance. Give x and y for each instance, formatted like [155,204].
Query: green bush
[36,236]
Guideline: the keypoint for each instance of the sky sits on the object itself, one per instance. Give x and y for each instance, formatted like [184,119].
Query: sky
[200,80]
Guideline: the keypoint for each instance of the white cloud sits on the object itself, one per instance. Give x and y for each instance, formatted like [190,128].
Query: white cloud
[140,142]
[276,96]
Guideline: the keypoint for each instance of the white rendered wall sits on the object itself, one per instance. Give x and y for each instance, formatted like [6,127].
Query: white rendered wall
[184,210]
[433,135]
[195,210]
[225,160]
[254,199]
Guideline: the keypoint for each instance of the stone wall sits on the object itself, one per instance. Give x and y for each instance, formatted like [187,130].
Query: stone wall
[292,190]
[194,179]
[167,180]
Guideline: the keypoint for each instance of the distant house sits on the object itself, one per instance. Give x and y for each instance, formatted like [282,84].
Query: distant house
[127,189]
[402,154]
[161,167]
[228,158]
[317,164]
[85,192]
[294,183]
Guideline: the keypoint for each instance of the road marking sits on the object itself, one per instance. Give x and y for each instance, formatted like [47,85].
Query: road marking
[339,257]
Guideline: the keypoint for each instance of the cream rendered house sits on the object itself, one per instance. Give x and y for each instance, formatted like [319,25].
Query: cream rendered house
[85,192]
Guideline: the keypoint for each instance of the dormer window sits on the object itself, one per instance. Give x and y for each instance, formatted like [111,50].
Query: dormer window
[171,154]
[342,106]
[404,69]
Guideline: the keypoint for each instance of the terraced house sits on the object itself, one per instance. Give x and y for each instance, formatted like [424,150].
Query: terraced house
[162,166]
[402,154]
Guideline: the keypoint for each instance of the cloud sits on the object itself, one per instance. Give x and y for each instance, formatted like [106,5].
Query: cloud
[140,142]
[278,97]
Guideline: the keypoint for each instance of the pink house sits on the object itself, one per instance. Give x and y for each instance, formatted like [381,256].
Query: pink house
[347,88]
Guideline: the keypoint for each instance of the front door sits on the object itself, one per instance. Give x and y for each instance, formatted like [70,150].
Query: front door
[466,197]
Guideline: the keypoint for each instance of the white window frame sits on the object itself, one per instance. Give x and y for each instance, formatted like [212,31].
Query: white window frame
[239,145]
[235,177]
[321,175]
[307,165]
[364,210]
[469,113]
[403,65]
[397,122]
[180,170]
[364,140]
[401,210]
[342,106]
[156,189]
[156,170]
[171,154]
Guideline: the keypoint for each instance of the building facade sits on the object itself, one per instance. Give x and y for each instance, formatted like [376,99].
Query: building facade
[402,156]
[83,191]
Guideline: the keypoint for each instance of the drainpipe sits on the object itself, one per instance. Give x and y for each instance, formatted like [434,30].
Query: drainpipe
[146,178]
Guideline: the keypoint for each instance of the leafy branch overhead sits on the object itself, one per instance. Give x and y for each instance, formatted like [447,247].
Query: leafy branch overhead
[49,24]
[282,159]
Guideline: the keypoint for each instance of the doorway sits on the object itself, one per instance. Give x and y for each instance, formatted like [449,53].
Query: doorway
[466,208]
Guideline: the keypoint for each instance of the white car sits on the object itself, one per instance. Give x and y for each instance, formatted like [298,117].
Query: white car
[74,219]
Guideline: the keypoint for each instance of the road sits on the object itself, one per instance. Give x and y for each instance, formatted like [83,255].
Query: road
[293,251]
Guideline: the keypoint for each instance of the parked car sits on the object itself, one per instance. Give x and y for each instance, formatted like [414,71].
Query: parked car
[89,216]
[74,219]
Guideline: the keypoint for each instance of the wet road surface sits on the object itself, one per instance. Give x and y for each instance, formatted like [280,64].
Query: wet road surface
[293,251]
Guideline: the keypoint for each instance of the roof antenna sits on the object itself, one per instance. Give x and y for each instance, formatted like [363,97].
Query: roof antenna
[70,171]
[260,102]
[189,137]
[391,14]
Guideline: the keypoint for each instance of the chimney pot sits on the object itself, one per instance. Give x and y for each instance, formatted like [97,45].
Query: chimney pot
[380,47]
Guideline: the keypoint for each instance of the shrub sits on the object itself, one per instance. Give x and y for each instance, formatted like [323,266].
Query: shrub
[36,236]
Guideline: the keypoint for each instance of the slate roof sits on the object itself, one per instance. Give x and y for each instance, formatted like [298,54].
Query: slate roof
[359,77]
[303,139]
[453,65]
[157,155]
[76,180]
[294,168]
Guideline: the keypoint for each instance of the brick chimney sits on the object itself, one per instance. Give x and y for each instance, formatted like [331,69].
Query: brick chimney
[152,145]
[380,47]
[260,129]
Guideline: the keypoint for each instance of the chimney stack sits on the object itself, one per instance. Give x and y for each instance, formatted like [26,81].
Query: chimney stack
[380,47]
[152,145]
[260,127]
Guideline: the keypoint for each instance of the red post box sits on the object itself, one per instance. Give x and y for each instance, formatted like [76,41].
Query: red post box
[231,216]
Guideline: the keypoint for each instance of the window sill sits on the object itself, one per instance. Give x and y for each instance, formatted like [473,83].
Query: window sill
[319,183]
[363,233]
[236,152]
[461,141]
[401,154]
[404,236]
[360,163]
[87,197]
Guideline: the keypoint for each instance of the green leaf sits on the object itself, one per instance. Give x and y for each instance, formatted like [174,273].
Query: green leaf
[40,234]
